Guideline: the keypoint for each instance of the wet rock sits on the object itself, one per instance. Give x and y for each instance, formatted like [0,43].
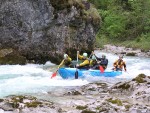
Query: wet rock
[115,101]
[140,78]
[88,111]
[10,56]
[131,54]
[24,104]
[81,107]
[137,89]
[1,100]
[7,106]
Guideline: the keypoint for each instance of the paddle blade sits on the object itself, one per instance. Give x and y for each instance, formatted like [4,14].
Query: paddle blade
[54,74]
[101,69]
[76,75]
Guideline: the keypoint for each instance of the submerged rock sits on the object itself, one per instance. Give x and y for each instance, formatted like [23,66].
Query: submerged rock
[45,29]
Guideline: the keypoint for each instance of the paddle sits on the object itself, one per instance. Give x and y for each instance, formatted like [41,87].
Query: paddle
[54,74]
[101,69]
[76,73]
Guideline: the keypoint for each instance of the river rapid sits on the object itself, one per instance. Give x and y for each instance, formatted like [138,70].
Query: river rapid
[34,79]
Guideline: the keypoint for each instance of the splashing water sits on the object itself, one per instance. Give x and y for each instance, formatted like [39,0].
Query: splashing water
[33,78]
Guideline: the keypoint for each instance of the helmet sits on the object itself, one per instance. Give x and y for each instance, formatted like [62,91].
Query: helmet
[121,56]
[85,54]
[93,57]
[65,56]
[103,56]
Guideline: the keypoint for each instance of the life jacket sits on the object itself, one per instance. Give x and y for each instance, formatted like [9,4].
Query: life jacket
[104,62]
[93,62]
[120,64]
[67,62]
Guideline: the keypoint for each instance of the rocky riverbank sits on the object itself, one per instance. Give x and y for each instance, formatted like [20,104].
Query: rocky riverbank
[126,51]
[131,96]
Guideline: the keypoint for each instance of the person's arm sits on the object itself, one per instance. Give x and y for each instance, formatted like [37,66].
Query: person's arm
[125,66]
[62,62]
[91,62]
[69,59]
[115,63]
[84,63]
[80,56]
[97,58]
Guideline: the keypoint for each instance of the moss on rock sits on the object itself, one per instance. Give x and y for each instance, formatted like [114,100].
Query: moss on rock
[140,78]
[33,104]
[130,54]
[10,56]
[88,111]
[81,107]
[115,101]
[124,86]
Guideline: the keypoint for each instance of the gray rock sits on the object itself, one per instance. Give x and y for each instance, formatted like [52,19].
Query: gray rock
[43,30]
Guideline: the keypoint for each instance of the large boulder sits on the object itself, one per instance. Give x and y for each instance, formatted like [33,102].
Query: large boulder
[45,29]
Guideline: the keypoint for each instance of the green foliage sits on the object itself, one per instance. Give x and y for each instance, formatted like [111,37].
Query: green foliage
[124,21]
[140,42]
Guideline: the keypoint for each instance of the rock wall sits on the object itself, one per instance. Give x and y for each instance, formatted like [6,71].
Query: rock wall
[42,30]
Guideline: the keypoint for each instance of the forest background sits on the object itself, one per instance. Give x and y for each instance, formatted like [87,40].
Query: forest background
[124,23]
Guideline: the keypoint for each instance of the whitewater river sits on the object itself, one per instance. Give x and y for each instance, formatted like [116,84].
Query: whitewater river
[35,79]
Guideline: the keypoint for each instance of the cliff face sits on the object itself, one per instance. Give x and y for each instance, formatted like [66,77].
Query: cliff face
[43,30]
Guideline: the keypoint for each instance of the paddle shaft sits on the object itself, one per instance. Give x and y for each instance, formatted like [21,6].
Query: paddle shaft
[76,73]
[100,67]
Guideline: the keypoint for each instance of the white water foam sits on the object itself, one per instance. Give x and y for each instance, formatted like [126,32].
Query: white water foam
[135,65]
[33,78]
[30,78]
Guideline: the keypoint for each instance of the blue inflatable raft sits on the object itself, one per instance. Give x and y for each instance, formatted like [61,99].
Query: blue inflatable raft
[70,73]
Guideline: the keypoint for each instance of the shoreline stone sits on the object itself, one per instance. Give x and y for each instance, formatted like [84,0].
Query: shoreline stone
[125,51]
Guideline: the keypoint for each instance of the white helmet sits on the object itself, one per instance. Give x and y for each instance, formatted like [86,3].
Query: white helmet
[65,56]
[85,54]
[93,57]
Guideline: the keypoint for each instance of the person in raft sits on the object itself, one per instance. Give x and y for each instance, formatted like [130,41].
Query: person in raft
[85,61]
[93,63]
[66,62]
[99,61]
[119,64]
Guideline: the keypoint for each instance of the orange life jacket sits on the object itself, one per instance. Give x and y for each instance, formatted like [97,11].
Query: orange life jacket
[120,64]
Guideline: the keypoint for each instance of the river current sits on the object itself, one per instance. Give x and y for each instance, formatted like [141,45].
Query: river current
[35,78]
